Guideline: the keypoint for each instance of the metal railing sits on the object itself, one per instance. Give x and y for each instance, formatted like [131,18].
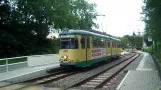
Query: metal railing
[9,64]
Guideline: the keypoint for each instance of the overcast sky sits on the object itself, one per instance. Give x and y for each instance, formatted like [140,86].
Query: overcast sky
[121,16]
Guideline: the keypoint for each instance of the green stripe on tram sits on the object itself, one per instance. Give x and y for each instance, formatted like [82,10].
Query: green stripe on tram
[92,61]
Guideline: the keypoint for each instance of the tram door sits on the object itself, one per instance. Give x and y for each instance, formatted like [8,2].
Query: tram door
[85,46]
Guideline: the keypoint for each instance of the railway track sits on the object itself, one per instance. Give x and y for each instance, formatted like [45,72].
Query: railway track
[58,74]
[94,82]
[57,70]
[49,78]
[102,80]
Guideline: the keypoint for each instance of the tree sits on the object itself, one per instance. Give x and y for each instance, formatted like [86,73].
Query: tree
[124,42]
[152,19]
[9,46]
[85,13]
[25,24]
[134,41]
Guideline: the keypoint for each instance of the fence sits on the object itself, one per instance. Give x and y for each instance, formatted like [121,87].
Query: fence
[9,64]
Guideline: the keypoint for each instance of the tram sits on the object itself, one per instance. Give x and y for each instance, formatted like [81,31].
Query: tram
[81,48]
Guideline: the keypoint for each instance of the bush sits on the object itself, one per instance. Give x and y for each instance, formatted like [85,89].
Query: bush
[148,49]
[158,54]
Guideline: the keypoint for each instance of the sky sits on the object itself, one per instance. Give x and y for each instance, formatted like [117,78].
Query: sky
[122,17]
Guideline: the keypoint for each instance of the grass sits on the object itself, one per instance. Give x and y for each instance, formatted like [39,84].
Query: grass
[14,60]
[2,62]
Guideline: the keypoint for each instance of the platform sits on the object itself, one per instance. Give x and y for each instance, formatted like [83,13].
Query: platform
[24,73]
[144,77]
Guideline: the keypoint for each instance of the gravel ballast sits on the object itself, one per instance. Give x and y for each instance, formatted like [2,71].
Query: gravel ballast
[74,79]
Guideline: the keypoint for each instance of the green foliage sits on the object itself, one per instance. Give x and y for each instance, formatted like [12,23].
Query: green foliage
[2,62]
[124,42]
[152,19]
[16,60]
[25,24]
[133,41]
[157,51]
[147,49]
[152,14]
[85,12]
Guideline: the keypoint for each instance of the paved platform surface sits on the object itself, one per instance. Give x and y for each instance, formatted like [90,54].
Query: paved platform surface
[144,77]
[135,63]
[26,72]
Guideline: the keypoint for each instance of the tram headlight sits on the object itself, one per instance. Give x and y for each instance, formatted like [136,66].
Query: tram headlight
[65,56]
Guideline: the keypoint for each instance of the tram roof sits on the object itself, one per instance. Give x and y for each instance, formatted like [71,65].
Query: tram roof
[89,33]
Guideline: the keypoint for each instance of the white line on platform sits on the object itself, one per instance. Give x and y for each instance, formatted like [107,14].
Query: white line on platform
[145,69]
[123,80]
[37,69]
[140,66]
[21,75]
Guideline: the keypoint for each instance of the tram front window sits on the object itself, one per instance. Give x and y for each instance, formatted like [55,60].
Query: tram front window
[68,43]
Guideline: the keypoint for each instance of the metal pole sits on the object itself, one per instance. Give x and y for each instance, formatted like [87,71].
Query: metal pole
[7,64]
[102,27]
[152,46]
[101,21]
[111,45]
[86,48]
[152,43]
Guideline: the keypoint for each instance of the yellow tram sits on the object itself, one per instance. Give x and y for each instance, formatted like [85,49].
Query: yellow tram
[80,48]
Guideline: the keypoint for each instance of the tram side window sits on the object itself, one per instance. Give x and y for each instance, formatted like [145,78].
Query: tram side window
[113,44]
[102,43]
[94,42]
[83,43]
[109,44]
[74,43]
[98,42]
[118,45]
[88,43]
